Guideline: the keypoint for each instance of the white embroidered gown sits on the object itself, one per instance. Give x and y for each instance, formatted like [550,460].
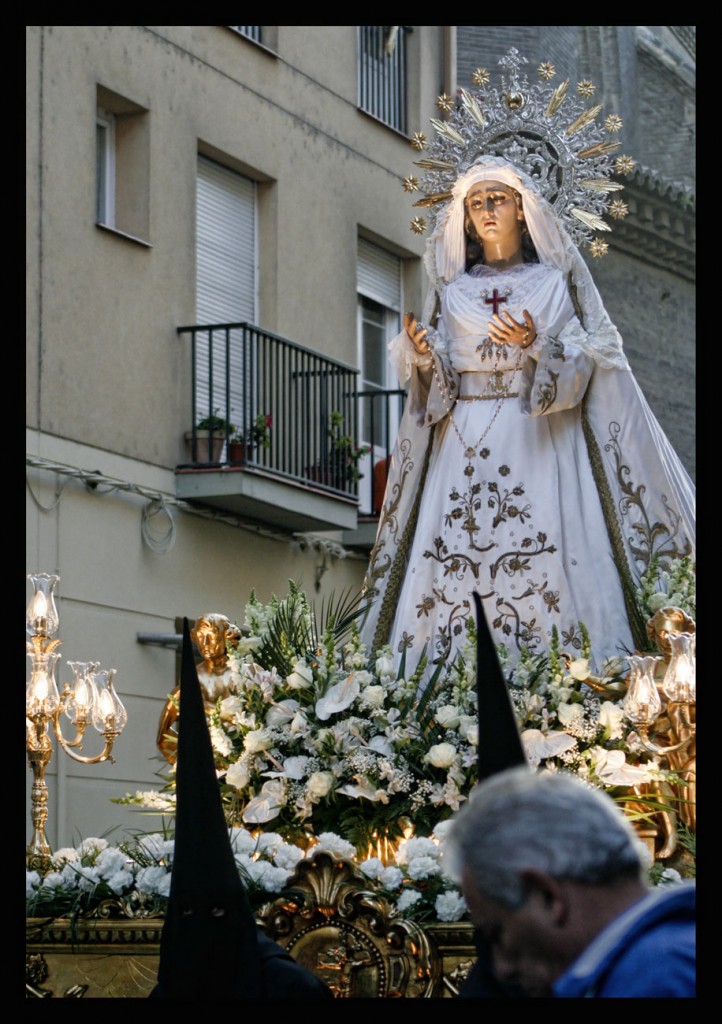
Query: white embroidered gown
[509,502]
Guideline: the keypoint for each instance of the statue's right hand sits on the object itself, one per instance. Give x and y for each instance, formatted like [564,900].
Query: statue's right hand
[416,332]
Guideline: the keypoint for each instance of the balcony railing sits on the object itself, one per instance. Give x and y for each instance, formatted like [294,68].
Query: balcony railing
[240,373]
[380,412]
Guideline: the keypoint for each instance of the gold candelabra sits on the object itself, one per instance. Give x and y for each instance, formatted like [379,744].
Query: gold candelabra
[90,700]
[661,703]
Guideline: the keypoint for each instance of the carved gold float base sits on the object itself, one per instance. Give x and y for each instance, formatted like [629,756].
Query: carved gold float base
[119,959]
[336,926]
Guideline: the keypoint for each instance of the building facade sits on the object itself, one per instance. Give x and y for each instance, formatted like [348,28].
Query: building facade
[216,228]
[186,175]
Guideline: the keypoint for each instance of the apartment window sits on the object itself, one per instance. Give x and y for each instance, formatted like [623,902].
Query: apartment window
[249,31]
[105,169]
[122,164]
[226,277]
[382,73]
[379,305]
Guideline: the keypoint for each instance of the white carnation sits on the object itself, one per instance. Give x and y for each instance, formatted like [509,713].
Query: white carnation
[422,867]
[373,697]
[391,878]
[373,867]
[450,906]
[407,899]
[333,844]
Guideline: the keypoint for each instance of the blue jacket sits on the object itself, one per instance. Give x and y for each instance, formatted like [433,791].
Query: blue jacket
[648,952]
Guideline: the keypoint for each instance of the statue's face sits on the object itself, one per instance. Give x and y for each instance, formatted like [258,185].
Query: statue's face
[494,212]
[211,639]
[665,621]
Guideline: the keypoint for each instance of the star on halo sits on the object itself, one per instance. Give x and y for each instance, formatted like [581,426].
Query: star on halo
[411,184]
[612,123]
[599,248]
[586,88]
[418,140]
[445,102]
[618,209]
[418,225]
[624,164]
[546,70]
[480,77]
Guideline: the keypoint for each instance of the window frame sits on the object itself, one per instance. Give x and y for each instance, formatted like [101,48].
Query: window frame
[383,89]
[105,168]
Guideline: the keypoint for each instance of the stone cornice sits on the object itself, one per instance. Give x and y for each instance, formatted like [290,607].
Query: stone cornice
[660,227]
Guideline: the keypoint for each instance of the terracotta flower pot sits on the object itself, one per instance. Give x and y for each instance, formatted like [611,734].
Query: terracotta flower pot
[239,452]
[209,445]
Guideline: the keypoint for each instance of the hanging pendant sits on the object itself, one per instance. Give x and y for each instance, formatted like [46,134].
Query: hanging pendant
[495,298]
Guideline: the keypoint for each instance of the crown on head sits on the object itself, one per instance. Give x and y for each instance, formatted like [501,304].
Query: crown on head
[548,132]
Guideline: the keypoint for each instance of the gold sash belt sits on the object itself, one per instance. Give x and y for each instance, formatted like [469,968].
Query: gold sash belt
[486,398]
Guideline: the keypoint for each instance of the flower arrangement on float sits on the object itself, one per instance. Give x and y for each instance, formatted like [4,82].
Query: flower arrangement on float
[320,748]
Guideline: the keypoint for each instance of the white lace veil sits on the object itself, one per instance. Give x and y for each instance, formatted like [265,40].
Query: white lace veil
[446,253]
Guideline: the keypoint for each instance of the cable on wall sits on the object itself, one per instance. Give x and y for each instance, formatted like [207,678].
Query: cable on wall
[162,503]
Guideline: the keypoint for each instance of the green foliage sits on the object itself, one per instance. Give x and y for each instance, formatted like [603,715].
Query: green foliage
[215,422]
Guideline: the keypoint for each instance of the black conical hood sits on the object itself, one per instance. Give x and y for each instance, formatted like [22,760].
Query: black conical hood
[500,745]
[209,945]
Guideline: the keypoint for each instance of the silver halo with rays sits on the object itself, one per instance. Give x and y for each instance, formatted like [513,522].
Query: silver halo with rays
[547,132]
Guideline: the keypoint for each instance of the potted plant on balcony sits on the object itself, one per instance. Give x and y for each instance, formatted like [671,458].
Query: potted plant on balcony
[242,445]
[341,466]
[210,435]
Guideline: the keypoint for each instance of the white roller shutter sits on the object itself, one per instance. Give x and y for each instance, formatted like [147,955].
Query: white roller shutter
[225,275]
[379,275]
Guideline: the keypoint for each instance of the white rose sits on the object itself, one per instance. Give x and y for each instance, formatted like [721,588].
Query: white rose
[469,729]
[442,755]
[257,740]
[238,775]
[384,665]
[319,784]
[447,716]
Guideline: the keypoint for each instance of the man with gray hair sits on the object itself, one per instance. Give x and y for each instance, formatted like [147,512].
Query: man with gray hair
[554,878]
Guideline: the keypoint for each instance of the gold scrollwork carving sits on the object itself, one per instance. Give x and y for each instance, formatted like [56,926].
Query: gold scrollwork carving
[350,937]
